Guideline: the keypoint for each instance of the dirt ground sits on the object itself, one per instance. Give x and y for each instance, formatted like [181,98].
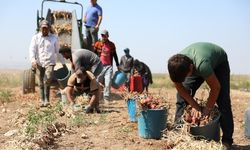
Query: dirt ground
[108,130]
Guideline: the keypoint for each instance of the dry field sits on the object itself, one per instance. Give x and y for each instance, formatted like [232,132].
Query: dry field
[23,123]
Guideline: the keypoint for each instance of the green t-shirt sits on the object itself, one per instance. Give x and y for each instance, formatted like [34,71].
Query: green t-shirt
[206,57]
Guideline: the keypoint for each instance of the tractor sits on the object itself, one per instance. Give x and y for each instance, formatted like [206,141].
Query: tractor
[68,28]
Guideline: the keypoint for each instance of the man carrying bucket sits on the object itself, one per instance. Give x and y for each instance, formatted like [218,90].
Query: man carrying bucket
[195,64]
[82,82]
[126,65]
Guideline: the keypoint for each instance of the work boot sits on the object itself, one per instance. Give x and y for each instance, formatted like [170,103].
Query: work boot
[42,97]
[46,104]
[46,96]
[226,146]
[47,93]
[42,103]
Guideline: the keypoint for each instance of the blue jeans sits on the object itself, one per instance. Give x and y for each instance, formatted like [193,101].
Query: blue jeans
[92,36]
[105,78]
[192,83]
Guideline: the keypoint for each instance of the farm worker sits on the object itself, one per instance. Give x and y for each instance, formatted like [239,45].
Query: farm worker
[82,82]
[82,59]
[43,52]
[107,51]
[126,64]
[144,71]
[195,64]
[92,19]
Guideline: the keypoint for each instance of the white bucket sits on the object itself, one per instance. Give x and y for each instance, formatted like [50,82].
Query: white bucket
[247,122]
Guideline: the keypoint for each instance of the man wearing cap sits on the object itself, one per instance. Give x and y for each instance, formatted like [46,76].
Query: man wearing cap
[43,52]
[126,64]
[92,20]
[82,82]
[107,51]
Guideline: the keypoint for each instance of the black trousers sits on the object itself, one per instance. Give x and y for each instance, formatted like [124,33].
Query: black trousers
[192,83]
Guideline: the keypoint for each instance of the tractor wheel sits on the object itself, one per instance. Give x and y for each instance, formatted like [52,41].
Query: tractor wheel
[28,81]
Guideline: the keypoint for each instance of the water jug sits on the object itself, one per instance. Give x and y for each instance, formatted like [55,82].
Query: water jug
[136,84]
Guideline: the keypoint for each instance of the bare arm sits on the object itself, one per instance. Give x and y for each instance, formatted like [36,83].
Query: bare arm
[84,18]
[187,97]
[94,98]
[214,85]
[116,58]
[98,22]
[69,93]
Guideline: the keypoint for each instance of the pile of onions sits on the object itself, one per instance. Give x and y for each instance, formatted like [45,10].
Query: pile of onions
[199,121]
[149,103]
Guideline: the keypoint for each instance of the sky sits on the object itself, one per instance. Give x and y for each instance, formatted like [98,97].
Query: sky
[153,30]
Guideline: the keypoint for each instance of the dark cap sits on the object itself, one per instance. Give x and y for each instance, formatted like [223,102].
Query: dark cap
[126,50]
[105,32]
[64,48]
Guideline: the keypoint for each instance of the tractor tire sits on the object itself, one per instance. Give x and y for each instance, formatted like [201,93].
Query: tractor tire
[28,81]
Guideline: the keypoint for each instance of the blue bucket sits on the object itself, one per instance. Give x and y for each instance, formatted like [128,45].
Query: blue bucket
[118,79]
[131,103]
[151,122]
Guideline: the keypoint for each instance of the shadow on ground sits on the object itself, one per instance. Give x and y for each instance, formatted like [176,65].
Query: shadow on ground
[241,147]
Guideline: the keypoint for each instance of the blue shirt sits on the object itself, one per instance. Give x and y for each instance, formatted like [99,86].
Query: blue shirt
[92,14]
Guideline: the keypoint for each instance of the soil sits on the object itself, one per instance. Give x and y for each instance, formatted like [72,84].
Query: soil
[109,130]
